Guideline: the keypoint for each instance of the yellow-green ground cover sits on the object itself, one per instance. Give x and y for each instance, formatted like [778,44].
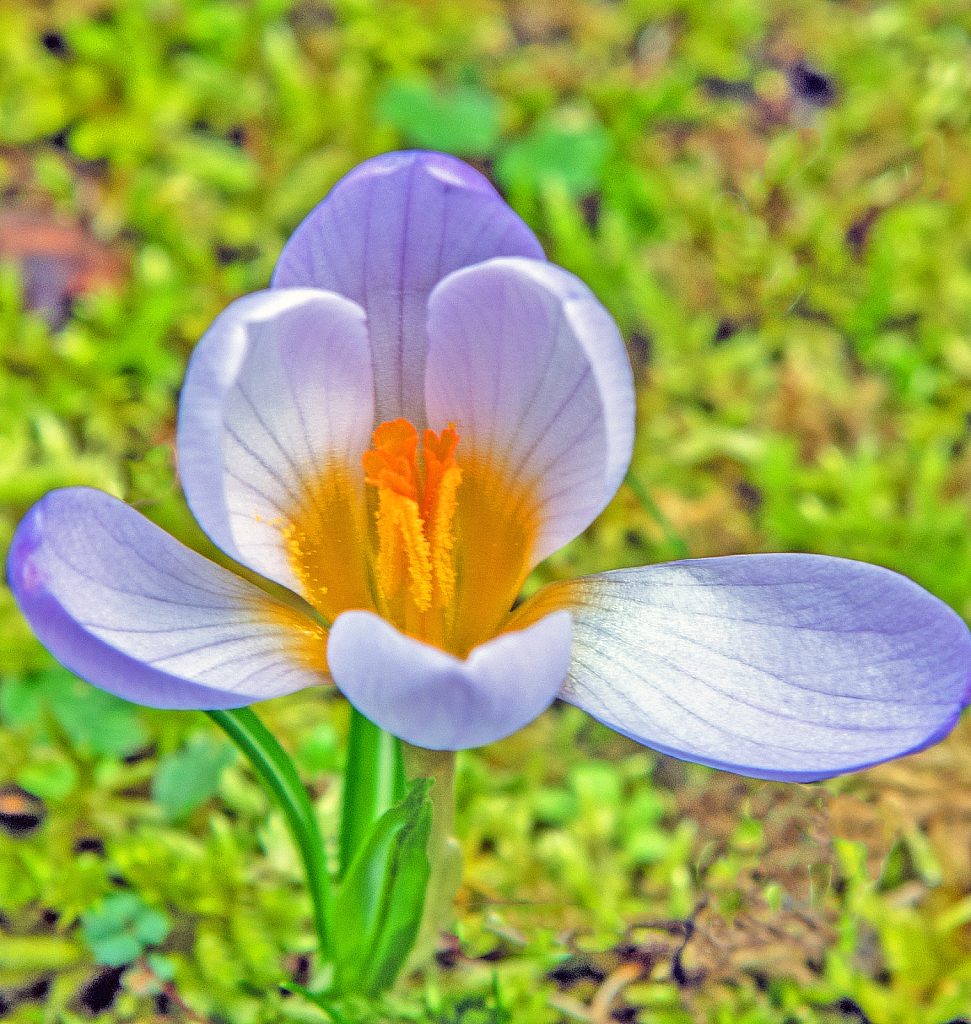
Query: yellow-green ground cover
[773,197]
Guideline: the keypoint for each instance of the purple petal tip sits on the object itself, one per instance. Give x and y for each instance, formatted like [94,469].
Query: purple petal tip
[446,168]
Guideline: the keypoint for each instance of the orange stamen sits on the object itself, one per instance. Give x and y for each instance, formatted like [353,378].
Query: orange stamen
[415,511]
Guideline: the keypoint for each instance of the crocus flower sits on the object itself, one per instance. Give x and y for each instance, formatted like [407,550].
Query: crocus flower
[417,412]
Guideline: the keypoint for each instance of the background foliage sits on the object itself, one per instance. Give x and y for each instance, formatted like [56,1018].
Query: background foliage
[771,198]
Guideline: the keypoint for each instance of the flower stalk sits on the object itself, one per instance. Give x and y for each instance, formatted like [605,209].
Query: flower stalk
[374,800]
[374,781]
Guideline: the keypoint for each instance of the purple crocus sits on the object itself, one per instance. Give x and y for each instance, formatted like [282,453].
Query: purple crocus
[416,413]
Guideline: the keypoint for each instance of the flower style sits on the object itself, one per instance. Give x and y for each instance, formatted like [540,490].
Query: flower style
[417,412]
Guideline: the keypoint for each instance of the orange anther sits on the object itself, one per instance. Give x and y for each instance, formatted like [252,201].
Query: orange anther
[415,528]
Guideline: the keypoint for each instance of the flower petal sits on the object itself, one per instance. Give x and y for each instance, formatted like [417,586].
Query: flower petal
[532,369]
[125,606]
[431,698]
[792,667]
[386,234]
[277,395]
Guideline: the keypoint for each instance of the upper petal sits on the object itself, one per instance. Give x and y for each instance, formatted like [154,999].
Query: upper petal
[276,408]
[433,699]
[125,606]
[792,667]
[533,370]
[386,234]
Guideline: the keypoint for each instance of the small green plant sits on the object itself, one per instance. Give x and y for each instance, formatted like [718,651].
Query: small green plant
[120,927]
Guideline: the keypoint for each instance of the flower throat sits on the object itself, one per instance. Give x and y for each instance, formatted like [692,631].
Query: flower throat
[416,508]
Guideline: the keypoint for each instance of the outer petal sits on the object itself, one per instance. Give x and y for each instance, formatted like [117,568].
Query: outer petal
[385,236]
[433,699]
[277,395]
[128,608]
[792,667]
[533,370]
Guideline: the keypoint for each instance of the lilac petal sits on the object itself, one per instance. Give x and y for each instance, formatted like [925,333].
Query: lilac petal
[277,395]
[385,236]
[433,699]
[125,606]
[791,667]
[532,369]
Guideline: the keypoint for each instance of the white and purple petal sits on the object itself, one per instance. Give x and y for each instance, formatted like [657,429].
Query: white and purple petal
[792,667]
[125,606]
[278,392]
[433,699]
[386,234]
[533,370]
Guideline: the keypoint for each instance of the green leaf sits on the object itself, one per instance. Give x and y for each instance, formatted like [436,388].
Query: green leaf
[650,507]
[95,721]
[569,152]
[162,967]
[382,897]
[49,775]
[115,950]
[20,701]
[37,953]
[277,772]
[463,120]
[151,927]
[188,777]
[118,929]
[319,751]
[110,915]
[217,162]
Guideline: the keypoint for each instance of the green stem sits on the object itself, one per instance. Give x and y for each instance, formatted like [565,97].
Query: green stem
[444,852]
[278,774]
[374,781]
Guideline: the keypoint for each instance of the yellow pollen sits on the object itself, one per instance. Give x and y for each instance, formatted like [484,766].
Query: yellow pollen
[415,511]
[297,542]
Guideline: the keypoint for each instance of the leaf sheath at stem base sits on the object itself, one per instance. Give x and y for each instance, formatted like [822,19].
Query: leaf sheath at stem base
[444,851]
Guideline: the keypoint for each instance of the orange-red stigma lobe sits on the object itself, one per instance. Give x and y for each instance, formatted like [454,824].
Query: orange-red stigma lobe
[416,508]
[392,462]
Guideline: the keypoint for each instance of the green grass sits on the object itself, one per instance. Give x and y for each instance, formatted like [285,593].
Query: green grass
[794,279]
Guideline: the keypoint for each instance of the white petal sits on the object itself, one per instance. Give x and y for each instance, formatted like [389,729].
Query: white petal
[532,369]
[125,606]
[278,393]
[431,698]
[793,667]
[388,232]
